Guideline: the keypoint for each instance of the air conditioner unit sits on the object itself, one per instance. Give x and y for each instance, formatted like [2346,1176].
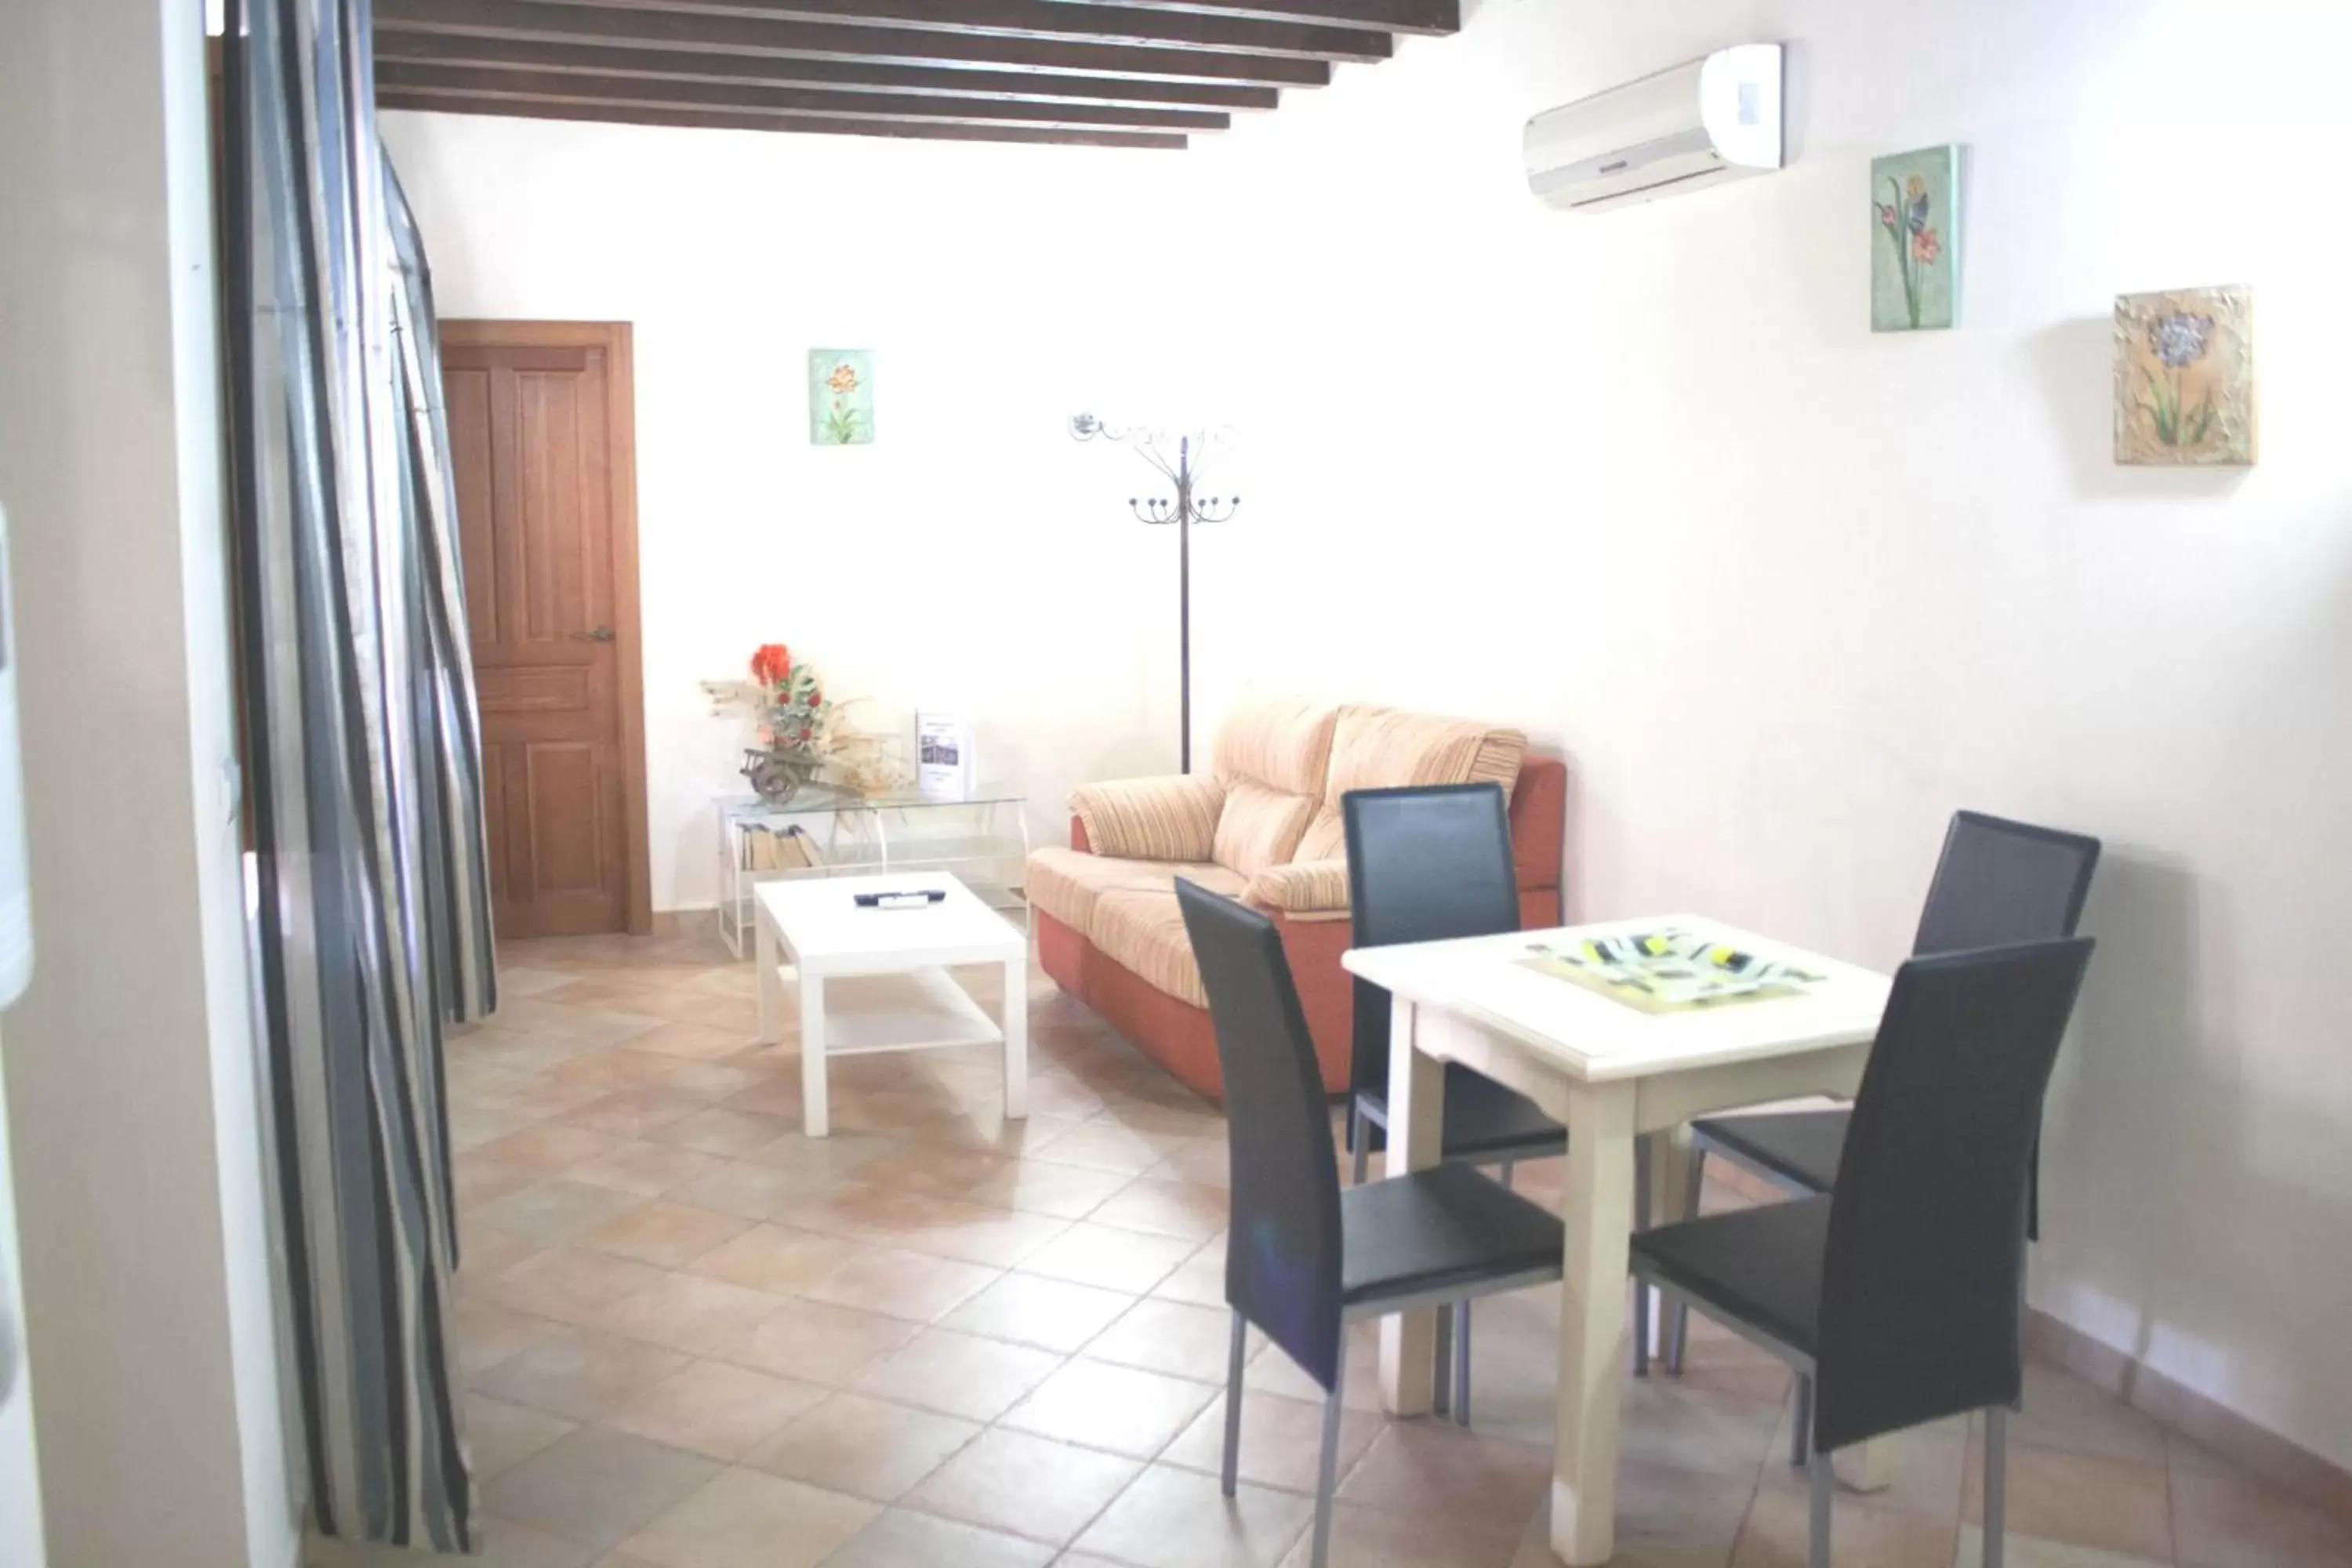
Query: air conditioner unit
[1697,125]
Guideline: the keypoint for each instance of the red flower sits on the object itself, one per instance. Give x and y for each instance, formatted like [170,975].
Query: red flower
[773,664]
[1926,247]
[1886,215]
[815,697]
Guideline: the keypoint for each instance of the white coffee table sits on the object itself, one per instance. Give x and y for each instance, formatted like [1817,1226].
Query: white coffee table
[816,925]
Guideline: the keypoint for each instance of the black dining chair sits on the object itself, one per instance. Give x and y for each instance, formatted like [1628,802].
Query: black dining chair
[1426,863]
[1997,882]
[1303,1259]
[1896,1298]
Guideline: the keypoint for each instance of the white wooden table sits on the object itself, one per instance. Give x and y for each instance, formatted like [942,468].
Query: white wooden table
[817,927]
[1610,1073]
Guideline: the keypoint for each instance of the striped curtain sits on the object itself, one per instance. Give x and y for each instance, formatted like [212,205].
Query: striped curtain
[370,899]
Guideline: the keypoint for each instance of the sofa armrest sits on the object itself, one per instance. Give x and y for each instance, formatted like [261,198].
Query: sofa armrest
[1171,818]
[1302,890]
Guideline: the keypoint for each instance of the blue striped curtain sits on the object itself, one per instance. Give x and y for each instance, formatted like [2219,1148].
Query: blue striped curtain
[370,895]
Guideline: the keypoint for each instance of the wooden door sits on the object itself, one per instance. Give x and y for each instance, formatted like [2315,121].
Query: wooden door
[541,434]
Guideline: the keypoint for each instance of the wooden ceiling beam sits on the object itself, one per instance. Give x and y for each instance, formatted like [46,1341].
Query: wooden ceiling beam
[679,65]
[406,79]
[1053,19]
[720,119]
[671,29]
[1438,17]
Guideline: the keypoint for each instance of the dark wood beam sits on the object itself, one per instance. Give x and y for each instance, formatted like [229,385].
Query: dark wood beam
[792,102]
[1053,19]
[725,120]
[758,36]
[1388,16]
[679,65]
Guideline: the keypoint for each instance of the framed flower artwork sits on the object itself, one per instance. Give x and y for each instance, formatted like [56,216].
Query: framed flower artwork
[841,397]
[2185,378]
[1915,236]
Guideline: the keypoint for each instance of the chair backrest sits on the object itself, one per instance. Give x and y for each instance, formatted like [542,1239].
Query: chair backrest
[1283,1246]
[2000,881]
[1920,1282]
[1425,863]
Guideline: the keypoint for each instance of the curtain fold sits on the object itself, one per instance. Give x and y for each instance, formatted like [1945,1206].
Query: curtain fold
[370,894]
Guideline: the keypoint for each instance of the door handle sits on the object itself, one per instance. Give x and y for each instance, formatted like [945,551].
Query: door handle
[602,634]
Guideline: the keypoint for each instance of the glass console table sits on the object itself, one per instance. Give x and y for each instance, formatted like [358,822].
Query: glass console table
[983,838]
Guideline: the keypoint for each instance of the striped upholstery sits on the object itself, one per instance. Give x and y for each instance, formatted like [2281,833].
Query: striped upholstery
[1172,818]
[1068,884]
[1282,743]
[1145,932]
[1303,890]
[1383,748]
[1260,827]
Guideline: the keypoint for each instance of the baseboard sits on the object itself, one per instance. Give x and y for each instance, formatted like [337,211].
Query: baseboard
[2199,1417]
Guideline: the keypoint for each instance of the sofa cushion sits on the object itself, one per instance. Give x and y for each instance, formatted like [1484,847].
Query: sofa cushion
[1169,818]
[1260,827]
[1066,883]
[1282,743]
[1385,748]
[1145,932]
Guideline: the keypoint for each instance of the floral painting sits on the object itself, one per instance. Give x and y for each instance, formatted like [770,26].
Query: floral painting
[841,397]
[2185,377]
[1914,232]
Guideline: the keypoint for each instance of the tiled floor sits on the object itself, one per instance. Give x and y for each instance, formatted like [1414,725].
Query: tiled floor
[693,1338]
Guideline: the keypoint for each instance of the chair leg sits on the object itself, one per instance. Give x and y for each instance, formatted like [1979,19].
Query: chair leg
[1996,1484]
[1801,1430]
[1233,1404]
[1508,1167]
[1641,1218]
[1441,1394]
[1678,1315]
[1328,1475]
[1462,1364]
[1360,1144]
[1824,1490]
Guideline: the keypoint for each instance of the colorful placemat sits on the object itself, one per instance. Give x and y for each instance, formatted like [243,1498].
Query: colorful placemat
[1670,969]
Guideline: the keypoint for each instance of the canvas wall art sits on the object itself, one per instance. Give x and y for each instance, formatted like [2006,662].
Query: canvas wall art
[2185,378]
[841,397]
[1915,235]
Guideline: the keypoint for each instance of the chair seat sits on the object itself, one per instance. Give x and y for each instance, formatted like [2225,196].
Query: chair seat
[1484,1121]
[1761,1266]
[1802,1148]
[1446,1229]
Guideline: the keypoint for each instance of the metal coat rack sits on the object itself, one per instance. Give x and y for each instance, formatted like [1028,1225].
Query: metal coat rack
[1182,457]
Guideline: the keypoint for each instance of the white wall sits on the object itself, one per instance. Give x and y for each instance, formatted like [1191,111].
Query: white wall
[133,1100]
[1786,592]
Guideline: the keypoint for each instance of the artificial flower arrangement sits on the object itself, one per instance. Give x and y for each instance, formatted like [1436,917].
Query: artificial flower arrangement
[800,733]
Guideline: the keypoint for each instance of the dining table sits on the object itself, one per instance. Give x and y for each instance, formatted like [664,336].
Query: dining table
[1621,1074]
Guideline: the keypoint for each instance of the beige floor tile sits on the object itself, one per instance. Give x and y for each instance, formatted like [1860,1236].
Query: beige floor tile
[1035,1186]
[555,1211]
[1119,1408]
[1439,1470]
[838,1158]
[898,1284]
[650,1170]
[770,1093]
[1282,1441]
[748,1188]
[773,1258]
[2026,1552]
[1272,1372]
[997,1238]
[608,1068]
[634,1112]
[1029,1309]
[547,1149]
[1111,1259]
[1776,1532]
[1666,1516]
[1027,1486]
[1200,1280]
[717,1131]
[1180,1209]
[578,1374]
[572,1285]
[1927,1468]
[689,1312]
[934,1169]
[663,1234]
[2237,1521]
[2080,1499]
[1367,1538]
[900,1539]
[2069,1414]
[817,1343]
[499,1436]
[483,1251]
[595,1486]
[698,1041]
[1664,1421]
[713,1082]
[742,1519]
[1173,1337]
[958,1374]
[1178,1519]
[489,1334]
[864,1447]
[714,1409]
[1108,1148]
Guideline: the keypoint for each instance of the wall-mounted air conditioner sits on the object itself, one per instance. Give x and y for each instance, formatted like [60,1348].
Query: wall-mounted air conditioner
[1697,124]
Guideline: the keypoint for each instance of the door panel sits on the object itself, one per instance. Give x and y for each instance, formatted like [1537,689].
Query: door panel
[530,433]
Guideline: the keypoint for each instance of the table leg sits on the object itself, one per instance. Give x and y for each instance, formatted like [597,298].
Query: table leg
[1669,1154]
[814,1122]
[1016,1037]
[1416,1138]
[1596,1207]
[771,985]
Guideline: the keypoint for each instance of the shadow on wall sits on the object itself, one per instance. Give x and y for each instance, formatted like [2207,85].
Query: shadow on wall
[2076,362]
[2174,1217]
